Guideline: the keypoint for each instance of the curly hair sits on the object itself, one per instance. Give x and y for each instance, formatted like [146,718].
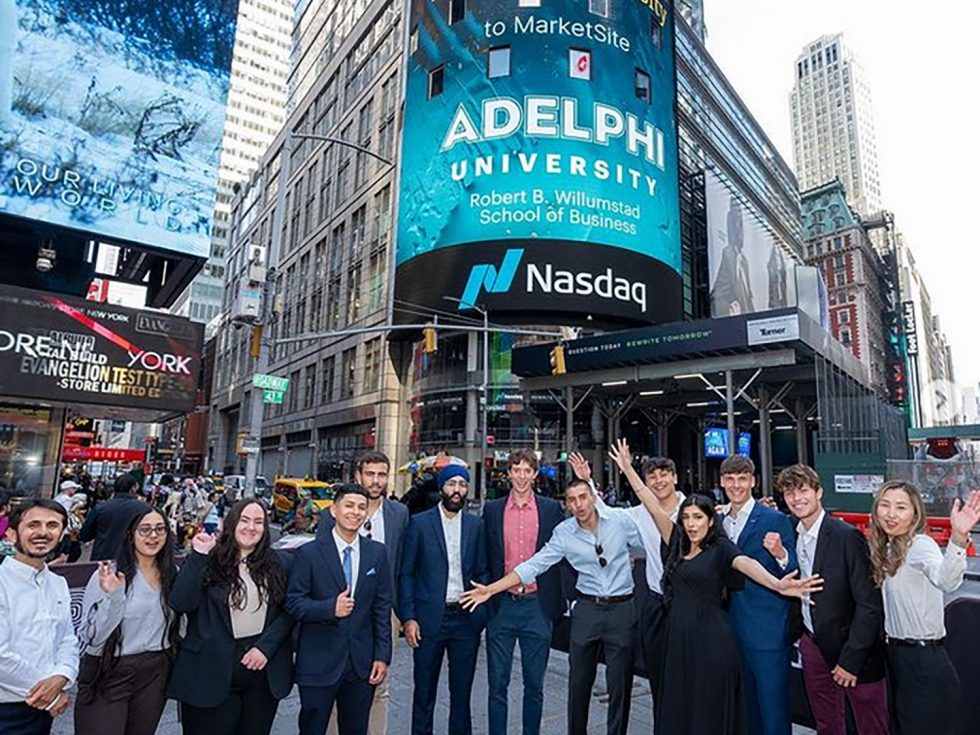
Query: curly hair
[888,554]
[680,544]
[126,563]
[263,564]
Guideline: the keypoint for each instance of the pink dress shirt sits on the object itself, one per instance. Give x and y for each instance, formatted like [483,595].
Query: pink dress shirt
[520,536]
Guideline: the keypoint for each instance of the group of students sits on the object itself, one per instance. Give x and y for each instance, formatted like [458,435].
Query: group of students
[230,631]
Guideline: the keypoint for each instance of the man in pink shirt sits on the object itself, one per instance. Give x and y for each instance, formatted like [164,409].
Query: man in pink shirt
[517,526]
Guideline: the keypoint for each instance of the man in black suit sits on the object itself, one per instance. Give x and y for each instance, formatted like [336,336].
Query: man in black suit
[841,645]
[340,592]
[108,521]
[517,526]
[444,553]
[731,293]
[385,523]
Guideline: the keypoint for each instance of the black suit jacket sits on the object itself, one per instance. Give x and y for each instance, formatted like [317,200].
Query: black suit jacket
[848,614]
[550,514]
[326,642]
[206,660]
[395,516]
[107,523]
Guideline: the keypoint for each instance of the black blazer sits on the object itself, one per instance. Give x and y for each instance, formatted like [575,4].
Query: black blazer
[107,523]
[550,514]
[848,614]
[207,657]
[316,579]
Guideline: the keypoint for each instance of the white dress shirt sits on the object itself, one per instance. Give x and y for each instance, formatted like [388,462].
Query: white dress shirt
[452,531]
[377,532]
[734,525]
[355,557]
[138,611]
[37,639]
[914,596]
[806,552]
[650,535]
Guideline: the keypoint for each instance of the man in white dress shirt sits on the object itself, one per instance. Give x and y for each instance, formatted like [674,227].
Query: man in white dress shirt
[38,648]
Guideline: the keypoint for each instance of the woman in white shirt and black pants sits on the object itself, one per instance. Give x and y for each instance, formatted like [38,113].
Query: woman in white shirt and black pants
[913,575]
[129,633]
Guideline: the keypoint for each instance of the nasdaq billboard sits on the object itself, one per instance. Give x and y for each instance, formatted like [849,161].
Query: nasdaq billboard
[539,161]
[112,114]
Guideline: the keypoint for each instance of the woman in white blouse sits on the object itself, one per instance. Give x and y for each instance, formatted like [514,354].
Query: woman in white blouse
[913,574]
[128,630]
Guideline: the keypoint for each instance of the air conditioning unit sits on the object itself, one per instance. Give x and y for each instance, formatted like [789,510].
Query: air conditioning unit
[248,302]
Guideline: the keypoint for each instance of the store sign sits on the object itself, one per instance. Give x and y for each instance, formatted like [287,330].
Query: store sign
[60,348]
[863,484]
[909,327]
[102,454]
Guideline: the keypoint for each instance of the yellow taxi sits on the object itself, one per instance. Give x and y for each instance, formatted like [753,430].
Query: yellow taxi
[287,490]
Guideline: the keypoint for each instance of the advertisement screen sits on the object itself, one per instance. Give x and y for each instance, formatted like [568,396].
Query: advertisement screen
[59,348]
[747,269]
[112,114]
[539,160]
[716,443]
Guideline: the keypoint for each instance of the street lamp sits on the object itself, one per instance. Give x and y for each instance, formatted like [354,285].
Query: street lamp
[484,385]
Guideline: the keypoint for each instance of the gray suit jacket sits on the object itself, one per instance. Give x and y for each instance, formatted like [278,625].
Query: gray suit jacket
[395,516]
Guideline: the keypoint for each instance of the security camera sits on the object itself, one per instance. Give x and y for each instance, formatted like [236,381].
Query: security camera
[46,258]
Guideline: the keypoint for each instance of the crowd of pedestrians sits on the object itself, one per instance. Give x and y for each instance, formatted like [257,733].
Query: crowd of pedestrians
[230,629]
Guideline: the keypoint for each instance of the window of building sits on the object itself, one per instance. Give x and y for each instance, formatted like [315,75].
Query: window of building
[844,317]
[498,62]
[309,395]
[839,261]
[326,380]
[579,64]
[840,279]
[599,7]
[348,361]
[294,393]
[372,364]
[413,40]
[436,80]
[845,337]
[457,10]
[641,85]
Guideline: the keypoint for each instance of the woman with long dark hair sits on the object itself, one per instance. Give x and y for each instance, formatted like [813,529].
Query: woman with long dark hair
[235,662]
[913,574]
[129,633]
[700,684]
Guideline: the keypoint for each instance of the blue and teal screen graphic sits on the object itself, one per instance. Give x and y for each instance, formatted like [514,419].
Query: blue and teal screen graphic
[540,150]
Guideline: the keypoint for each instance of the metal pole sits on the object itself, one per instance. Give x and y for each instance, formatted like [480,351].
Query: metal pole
[730,412]
[765,441]
[569,426]
[268,294]
[486,407]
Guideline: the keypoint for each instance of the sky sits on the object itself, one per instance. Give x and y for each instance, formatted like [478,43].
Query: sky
[922,69]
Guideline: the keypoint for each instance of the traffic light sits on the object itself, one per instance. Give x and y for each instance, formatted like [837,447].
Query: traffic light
[558,360]
[430,340]
[255,343]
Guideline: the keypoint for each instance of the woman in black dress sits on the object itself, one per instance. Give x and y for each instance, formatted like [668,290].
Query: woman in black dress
[700,684]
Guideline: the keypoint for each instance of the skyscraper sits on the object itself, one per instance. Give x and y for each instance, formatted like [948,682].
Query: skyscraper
[833,124]
[256,112]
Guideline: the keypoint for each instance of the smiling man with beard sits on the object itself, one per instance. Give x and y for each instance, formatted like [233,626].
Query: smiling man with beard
[444,553]
[38,648]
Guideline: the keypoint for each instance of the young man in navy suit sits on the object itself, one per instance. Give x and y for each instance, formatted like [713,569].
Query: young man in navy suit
[761,618]
[444,553]
[517,526]
[339,591]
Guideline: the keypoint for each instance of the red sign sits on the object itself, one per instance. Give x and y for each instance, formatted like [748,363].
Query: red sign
[102,454]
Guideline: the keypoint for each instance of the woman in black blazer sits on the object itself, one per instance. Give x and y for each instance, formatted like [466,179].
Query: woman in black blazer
[235,663]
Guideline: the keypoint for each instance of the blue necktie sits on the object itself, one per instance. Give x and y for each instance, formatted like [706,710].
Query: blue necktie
[348,566]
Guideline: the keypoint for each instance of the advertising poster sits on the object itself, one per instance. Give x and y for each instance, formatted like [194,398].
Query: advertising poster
[747,270]
[60,348]
[112,114]
[539,160]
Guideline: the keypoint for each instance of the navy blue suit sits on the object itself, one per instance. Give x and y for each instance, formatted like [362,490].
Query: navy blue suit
[524,619]
[444,628]
[335,653]
[761,620]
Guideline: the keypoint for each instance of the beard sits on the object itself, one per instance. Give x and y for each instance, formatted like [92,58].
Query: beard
[453,503]
[34,554]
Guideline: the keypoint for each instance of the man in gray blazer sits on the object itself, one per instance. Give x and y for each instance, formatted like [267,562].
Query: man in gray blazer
[386,523]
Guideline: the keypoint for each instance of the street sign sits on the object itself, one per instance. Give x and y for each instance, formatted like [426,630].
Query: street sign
[250,445]
[272,396]
[270,382]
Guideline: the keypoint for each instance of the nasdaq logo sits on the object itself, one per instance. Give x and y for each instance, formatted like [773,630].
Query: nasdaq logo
[487,277]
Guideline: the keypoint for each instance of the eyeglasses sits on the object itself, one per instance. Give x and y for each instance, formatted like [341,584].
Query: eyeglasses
[147,531]
[457,483]
[367,528]
[602,559]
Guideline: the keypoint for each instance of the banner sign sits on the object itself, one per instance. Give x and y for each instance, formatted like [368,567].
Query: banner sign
[59,348]
[909,326]
[539,161]
[102,454]
[112,116]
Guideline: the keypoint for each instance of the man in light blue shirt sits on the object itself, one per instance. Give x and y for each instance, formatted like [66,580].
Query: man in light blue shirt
[596,541]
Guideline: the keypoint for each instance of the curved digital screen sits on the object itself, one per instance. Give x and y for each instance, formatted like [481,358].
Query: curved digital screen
[539,160]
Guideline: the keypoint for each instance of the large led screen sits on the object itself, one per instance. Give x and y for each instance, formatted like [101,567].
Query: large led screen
[112,114]
[539,160]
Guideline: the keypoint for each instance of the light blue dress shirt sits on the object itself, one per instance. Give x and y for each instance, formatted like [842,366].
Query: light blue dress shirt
[616,534]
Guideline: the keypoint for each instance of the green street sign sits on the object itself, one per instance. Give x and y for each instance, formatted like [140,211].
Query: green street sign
[272,396]
[270,382]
